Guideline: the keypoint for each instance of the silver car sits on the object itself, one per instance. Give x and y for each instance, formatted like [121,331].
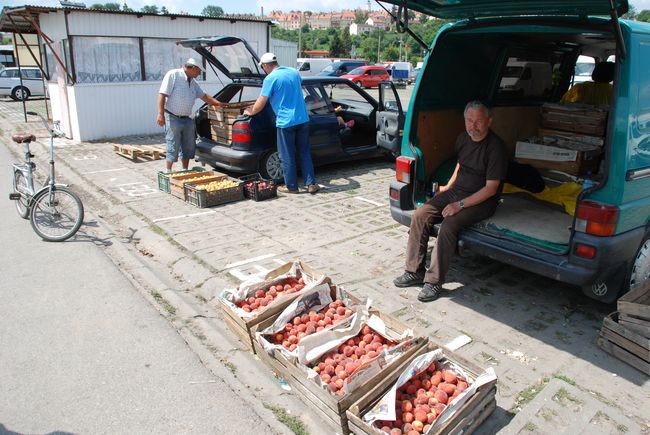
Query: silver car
[32,83]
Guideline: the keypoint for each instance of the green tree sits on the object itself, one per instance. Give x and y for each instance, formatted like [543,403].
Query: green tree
[336,49]
[97,7]
[644,15]
[630,14]
[346,41]
[164,11]
[212,11]
[150,9]
[360,16]
[112,6]
[126,8]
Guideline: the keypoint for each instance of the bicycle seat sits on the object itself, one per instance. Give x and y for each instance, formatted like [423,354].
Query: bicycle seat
[23,137]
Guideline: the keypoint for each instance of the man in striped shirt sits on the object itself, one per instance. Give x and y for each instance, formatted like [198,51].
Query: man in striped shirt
[178,92]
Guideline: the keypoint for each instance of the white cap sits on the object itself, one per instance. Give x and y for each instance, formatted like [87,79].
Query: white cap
[192,62]
[268,58]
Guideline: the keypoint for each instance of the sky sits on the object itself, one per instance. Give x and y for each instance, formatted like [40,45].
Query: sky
[246,6]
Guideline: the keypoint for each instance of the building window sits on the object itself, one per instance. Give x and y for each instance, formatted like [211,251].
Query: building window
[107,60]
[161,55]
[50,63]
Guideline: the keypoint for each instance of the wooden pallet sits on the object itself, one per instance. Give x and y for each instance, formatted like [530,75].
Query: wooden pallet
[624,344]
[133,152]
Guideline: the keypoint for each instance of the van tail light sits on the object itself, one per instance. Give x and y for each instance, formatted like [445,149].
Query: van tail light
[585,251]
[403,167]
[241,132]
[596,219]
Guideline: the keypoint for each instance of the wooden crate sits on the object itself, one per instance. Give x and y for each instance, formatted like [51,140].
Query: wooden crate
[466,419]
[580,166]
[626,345]
[332,409]
[177,182]
[229,112]
[243,329]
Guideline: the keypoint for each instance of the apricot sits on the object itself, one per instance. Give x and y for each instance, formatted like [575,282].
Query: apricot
[407,417]
[417,426]
[407,406]
[279,338]
[431,416]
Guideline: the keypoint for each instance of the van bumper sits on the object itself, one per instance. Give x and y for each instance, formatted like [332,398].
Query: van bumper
[612,254]
[243,161]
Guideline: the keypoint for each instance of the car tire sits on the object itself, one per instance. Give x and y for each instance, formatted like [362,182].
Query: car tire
[271,167]
[640,267]
[19,93]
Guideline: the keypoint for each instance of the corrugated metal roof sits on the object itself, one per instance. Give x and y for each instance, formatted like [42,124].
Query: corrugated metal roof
[12,19]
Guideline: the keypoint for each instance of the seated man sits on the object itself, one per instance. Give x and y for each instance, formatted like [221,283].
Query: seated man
[597,92]
[470,196]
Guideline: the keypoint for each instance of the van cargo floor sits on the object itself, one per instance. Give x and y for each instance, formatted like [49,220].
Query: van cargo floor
[528,220]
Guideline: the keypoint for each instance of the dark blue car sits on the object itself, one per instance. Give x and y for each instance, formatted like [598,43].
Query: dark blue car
[252,145]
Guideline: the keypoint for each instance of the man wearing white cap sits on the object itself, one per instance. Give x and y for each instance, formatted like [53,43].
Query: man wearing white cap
[282,87]
[178,92]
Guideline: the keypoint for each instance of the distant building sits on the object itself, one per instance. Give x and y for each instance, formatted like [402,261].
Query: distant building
[360,29]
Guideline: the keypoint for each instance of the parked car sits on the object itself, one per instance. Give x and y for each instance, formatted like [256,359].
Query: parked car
[604,247]
[32,83]
[252,146]
[311,66]
[340,67]
[368,76]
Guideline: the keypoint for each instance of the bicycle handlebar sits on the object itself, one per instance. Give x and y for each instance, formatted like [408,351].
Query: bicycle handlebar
[52,130]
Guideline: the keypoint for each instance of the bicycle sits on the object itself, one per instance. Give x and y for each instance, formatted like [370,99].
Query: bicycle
[54,211]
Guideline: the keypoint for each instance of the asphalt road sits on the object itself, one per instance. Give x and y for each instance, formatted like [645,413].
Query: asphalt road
[81,351]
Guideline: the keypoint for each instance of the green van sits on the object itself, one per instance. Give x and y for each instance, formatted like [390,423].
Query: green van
[601,243]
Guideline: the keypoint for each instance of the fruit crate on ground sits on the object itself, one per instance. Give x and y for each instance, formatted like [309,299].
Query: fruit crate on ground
[634,309]
[624,344]
[163,177]
[258,188]
[464,415]
[177,183]
[204,195]
[332,408]
[241,323]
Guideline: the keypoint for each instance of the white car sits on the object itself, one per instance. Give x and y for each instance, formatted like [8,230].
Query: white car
[32,83]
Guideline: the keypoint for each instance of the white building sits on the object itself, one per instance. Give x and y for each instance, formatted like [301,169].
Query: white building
[360,29]
[112,63]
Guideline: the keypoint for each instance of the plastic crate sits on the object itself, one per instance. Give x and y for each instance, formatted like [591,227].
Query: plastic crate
[203,198]
[163,178]
[252,189]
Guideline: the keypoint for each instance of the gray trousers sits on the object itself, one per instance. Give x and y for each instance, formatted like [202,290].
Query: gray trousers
[422,225]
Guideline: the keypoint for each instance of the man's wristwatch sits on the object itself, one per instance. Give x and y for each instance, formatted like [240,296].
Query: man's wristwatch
[461,204]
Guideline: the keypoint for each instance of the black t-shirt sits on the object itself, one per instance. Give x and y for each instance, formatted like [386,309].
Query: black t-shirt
[479,161]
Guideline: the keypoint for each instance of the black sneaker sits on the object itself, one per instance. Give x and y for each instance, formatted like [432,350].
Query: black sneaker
[429,292]
[409,279]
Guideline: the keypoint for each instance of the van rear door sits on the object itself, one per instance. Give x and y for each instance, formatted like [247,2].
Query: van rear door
[465,9]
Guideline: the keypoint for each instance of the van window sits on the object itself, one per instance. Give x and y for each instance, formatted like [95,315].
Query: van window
[522,77]
[304,67]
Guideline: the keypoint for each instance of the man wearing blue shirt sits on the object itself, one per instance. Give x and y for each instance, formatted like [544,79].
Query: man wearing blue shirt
[282,87]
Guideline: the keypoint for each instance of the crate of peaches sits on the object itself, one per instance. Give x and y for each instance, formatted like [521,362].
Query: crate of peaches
[177,182]
[334,367]
[438,392]
[258,188]
[322,307]
[213,192]
[258,299]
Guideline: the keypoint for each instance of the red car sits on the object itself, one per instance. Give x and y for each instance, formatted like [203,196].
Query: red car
[368,76]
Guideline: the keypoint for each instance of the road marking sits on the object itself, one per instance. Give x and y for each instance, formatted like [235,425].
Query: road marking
[250,260]
[104,170]
[262,270]
[183,216]
[238,274]
[129,184]
[369,201]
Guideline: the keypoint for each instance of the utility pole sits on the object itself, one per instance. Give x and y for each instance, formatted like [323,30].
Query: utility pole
[378,46]
[300,36]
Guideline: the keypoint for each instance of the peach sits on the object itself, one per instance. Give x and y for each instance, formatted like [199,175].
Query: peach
[407,417]
[411,389]
[447,388]
[395,431]
[449,377]
[461,386]
[406,427]
[431,417]
[407,406]
[366,330]
[420,415]
[417,426]
[441,396]
[436,379]
[260,294]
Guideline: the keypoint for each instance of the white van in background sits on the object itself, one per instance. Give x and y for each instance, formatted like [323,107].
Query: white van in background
[311,66]
[526,78]
[584,67]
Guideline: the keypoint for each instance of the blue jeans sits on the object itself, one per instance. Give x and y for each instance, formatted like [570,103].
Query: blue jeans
[180,137]
[294,142]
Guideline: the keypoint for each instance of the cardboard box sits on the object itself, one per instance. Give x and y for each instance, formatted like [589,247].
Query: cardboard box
[561,159]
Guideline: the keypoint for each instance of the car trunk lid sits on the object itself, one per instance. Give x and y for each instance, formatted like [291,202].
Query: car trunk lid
[233,56]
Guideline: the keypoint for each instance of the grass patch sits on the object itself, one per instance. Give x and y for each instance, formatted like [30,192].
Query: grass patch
[230,366]
[489,358]
[564,396]
[293,423]
[530,426]
[527,395]
[622,428]
[164,303]
[422,322]
[566,379]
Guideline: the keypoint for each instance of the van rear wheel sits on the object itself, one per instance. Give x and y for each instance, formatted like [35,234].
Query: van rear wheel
[640,270]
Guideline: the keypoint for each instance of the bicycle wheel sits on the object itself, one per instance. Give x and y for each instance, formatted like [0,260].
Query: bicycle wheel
[56,216]
[20,186]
